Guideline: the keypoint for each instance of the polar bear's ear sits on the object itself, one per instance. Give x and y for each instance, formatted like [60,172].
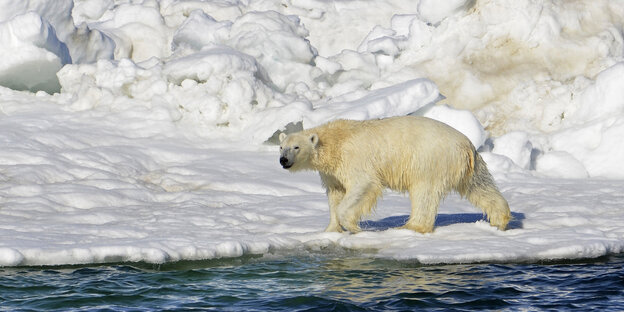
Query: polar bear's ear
[314,139]
[282,136]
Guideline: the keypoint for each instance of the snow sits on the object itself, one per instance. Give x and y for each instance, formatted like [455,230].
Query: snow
[433,12]
[40,56]
[142,130]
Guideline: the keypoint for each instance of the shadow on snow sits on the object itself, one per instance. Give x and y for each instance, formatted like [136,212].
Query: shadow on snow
[441,220]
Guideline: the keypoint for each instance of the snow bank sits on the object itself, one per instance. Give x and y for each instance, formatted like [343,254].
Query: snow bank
[594,129]
[40,55]
[433,12]
[586,142]
[37,38]
[227,79]
[462,120]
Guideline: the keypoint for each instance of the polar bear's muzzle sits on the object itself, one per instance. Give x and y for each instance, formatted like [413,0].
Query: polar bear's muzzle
[285,162]
[288,155]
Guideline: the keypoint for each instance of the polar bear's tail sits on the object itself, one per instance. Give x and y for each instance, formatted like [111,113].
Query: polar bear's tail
[482,192]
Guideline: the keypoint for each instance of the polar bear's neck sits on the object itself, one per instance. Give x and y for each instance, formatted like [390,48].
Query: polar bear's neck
[328,153]
[326,161]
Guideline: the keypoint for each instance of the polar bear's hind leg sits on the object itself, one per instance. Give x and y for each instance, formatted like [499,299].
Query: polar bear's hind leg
[483,193]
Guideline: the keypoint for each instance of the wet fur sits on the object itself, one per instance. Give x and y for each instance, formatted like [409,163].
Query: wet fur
[357,160]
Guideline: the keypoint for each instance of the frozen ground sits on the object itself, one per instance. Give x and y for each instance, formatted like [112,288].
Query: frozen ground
[81,187]
[135,130]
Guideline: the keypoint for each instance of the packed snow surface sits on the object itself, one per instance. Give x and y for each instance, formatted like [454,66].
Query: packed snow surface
[143,130]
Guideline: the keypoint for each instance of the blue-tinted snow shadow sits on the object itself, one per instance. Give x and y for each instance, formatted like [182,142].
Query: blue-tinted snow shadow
[442,220]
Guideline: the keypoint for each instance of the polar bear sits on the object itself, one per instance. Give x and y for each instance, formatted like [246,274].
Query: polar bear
[357,160]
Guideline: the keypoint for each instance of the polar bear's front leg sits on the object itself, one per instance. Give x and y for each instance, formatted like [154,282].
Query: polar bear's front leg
[358,200]
[425,201]
[334,196]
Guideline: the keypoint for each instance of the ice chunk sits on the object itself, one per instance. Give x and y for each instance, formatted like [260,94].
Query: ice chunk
[84,43]
[278,43]
[432,11]
[31,54]
[200,30]
[592,133]
[604,98]
[397,100]
[596,145]
[139,32]
[10,257]
[517,146]
[462,120]
[560,165]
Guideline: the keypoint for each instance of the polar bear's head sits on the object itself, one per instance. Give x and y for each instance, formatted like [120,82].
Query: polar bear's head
[296,149]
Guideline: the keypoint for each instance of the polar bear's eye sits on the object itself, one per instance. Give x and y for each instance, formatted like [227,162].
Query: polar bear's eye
[296,147]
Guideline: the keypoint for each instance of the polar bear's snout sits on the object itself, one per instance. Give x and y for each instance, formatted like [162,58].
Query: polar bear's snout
[285,163]
[287,156]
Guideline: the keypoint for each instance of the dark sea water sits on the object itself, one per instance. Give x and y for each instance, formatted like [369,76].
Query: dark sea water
[317,282]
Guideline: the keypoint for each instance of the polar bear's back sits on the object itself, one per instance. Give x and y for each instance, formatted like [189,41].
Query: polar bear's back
[401,151]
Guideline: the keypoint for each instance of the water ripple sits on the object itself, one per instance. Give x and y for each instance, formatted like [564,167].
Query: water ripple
[316,282]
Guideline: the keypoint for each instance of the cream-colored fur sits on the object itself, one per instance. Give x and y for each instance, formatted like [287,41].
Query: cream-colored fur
[426,158]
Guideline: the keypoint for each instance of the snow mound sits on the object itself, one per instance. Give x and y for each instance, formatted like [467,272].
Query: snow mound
[219,91]
[433,12]
[40,56]
[38,37]
[594,125]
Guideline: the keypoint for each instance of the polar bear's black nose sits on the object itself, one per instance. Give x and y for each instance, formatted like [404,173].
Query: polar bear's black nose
[283,160]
